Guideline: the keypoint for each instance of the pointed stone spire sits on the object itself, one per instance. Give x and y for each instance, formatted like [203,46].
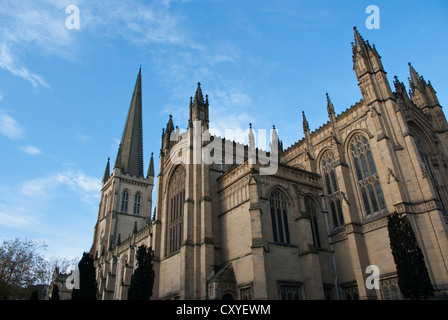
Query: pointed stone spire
[107,171]
[130,153]
[151,167]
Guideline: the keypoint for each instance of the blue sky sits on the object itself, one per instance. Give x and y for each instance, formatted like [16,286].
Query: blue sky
[64,93]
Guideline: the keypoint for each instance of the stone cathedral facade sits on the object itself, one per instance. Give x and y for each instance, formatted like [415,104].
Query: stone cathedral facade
[309,230]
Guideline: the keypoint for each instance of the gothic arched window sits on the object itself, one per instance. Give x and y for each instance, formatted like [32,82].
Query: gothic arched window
[366,175]
[137,203]
[331,186]
[311,210]
[124,201]
[426,150]
[105,206]
[176,198]
[279,217]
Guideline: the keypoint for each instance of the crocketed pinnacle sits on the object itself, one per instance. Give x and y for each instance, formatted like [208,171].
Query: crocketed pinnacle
[359,41]
[107,171]
[330,106]
[415,80]
[306,126]
[198,97]
[151,167]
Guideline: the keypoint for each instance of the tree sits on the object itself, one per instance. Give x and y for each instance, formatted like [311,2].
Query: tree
[55,293]
[87,282]
[142,280]
[413,277]
[34,295]
[21,265]
[65,265]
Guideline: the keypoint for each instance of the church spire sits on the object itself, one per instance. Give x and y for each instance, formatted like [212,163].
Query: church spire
[130,153]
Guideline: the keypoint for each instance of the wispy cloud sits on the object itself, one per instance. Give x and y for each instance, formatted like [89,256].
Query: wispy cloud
[31,150]
[32,27]
[38,26]
[8,61]
[9,127]
[86,187]
[16,219]
[81,137]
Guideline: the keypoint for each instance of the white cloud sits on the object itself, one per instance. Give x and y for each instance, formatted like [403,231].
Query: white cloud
[88,188]
[10,128]
[81,137]
[79,181]
[30,26]
[31,150]
[16,220]
[8,61]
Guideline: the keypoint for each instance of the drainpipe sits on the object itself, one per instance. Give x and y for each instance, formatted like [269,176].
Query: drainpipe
[336,279]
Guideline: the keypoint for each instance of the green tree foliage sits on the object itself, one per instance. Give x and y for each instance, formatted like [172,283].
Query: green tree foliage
[142,280]
[87,282]
[413,277]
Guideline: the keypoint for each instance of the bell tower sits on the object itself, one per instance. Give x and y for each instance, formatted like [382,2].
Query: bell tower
[126,194]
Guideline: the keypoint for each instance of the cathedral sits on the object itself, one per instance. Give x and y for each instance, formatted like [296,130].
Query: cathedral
[231,221]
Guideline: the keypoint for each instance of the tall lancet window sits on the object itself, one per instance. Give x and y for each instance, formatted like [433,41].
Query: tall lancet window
[312,211]
[279,217]
[137,203]
[331,186]
[124,201]
[366,175]
[176,198]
